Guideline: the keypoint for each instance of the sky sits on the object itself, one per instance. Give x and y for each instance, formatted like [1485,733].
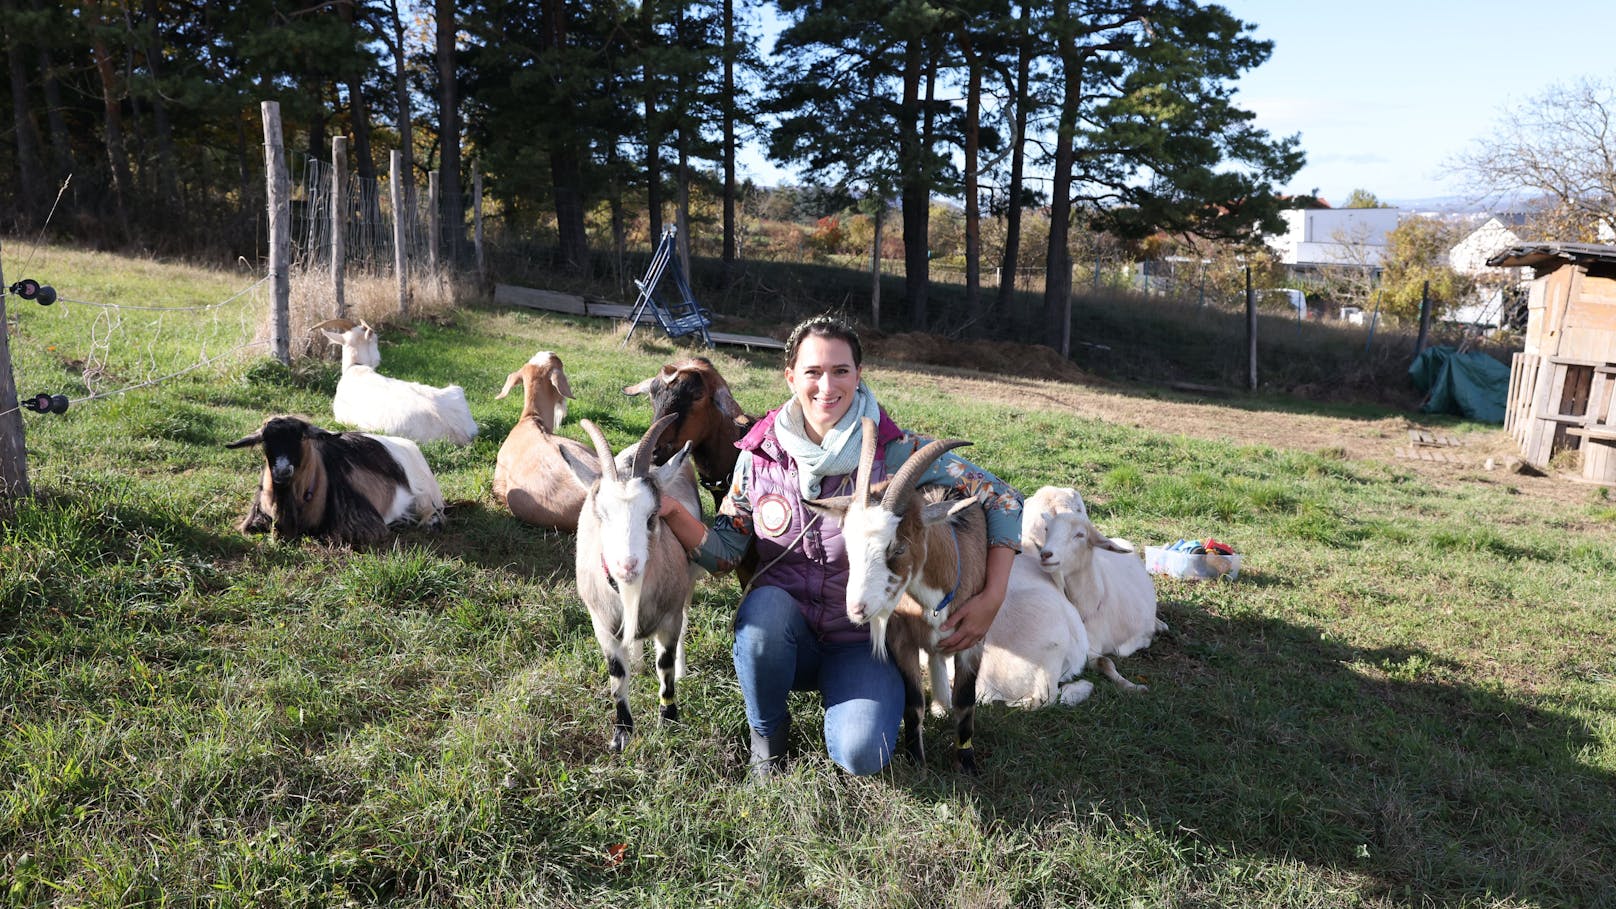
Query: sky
[1386,94]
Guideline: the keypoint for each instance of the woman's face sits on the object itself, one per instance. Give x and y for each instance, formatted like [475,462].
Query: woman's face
[823,381]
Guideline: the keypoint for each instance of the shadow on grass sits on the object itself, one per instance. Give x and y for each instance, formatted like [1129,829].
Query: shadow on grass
[491,537]
[1259,737]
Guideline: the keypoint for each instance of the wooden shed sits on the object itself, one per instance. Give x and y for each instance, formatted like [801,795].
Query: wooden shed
[1561,386]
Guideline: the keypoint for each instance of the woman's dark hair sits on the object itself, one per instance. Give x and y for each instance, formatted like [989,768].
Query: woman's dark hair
[825,326]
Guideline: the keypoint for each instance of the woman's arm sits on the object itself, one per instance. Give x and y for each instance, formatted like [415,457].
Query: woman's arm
[720,546]
[688,528]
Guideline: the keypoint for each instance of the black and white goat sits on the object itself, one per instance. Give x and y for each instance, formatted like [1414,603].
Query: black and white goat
[911,553]
[633,575]
[346,487]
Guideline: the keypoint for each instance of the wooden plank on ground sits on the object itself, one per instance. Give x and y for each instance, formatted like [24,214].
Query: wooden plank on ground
[533,298]
[747,341]
[610,310]
[1424,437]
[1434,455]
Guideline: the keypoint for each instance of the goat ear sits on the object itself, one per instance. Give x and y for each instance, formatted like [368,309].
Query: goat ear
[1100,541]
[510,383]
[944,511]
[331,336]
[670,469]
[831,508]
[251,439]
[726,403]
[638,388]
[558,378]
[585,472]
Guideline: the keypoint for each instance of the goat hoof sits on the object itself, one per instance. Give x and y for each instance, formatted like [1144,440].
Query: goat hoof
[670,713]
[620,739]
[965,761]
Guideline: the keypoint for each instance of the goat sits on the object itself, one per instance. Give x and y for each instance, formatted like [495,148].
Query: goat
[376,403]
[1108,585]
[545,389]
[705,416]
[530,475]
[1038,507]
[906,564]
[346,487]
[632,573]
[1035,642]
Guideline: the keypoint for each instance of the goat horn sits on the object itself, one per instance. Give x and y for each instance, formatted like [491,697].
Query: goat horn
[648,443]
[338,324]
[902,486]
[608,467]
[866,463]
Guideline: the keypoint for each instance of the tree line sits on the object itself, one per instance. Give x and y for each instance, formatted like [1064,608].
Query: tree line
[1114,115]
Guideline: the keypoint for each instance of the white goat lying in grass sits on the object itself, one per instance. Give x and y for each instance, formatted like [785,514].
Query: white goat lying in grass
[1108,585]
[1036,641]
[375,403]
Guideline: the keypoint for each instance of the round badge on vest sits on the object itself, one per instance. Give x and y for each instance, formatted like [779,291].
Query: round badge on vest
[772,515]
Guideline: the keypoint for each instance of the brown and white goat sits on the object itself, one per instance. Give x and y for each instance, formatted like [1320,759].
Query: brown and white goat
[530,475]
[346,487]
[706,417]
[632,573]
[911,554]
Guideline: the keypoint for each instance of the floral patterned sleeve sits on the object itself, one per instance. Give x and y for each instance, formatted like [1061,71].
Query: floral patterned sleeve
[1001,501]
[731,530]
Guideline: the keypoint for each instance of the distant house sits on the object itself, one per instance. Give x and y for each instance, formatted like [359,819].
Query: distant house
[1498,290]
[1323,237]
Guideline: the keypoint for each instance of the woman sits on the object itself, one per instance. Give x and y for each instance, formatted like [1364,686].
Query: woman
[791,629]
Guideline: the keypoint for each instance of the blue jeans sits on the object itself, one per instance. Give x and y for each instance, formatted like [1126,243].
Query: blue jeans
[776,652]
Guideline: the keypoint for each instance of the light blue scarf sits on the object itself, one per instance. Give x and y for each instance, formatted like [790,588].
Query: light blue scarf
[838,453]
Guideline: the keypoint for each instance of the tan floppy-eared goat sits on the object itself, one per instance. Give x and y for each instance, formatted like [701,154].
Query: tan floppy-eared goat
[911,554]
[530,475]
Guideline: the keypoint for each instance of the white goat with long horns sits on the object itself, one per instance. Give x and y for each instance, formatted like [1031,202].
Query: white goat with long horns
[632,573]
[911,553]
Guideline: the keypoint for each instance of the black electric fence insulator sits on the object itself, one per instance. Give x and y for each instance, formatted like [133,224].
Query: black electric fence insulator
[43,403]
[29,289]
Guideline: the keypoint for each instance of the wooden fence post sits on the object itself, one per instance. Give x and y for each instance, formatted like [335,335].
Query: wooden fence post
[1425,318]
[278,184]
[13,451]
[477,222]
[396,185]
[339,222]
[1251,334]
[434,232]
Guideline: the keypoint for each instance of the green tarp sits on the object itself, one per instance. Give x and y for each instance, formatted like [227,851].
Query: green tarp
[1471,384]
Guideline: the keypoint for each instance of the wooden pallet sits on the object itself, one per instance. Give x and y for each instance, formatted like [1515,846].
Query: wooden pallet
[1424,438]
[1423,453]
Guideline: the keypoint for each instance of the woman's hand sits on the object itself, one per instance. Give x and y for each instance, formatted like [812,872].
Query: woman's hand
[968,623]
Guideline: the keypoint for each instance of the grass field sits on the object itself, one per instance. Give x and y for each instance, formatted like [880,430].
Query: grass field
[1408,698]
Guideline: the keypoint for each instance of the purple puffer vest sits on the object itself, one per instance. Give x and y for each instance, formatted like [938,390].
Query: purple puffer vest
[815,572]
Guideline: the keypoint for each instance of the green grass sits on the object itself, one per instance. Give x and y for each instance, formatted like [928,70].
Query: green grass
[1407,699]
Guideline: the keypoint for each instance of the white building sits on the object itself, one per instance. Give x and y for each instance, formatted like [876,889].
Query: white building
[1335,236]
[1497,289]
